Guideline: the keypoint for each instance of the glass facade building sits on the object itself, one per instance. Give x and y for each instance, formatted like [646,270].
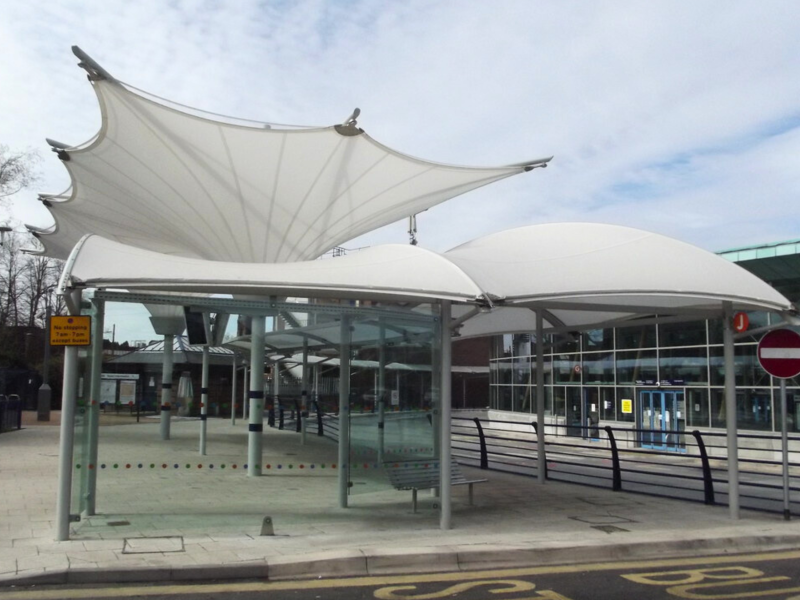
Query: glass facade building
[667,376]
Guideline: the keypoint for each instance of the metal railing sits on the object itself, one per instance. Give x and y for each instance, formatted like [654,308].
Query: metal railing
[10,413]
[675,464]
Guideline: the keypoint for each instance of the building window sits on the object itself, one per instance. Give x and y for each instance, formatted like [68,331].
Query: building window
[684,366]
[638,367]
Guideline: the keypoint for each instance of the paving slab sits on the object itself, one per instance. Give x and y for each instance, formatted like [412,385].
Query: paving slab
[188,517]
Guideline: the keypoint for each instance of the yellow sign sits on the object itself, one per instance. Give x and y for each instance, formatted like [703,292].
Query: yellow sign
[70,331]
[627,406]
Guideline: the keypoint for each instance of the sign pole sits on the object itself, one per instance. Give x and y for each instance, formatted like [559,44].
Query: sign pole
[779,355]
[787,515]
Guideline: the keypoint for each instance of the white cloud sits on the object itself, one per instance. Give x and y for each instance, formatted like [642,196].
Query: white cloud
[679,118]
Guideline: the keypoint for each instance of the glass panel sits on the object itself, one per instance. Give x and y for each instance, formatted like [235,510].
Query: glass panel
[754,409]
[522,344]
[560,399]
[592,411]
[685,366]
[506,346]
[608,404]
[504,397]
[697,408]
[748,371]
[598,339]
[757,319]
[643,336]
[637,367]
[574,416]
[562,345]
[411,428]
[598,367]
[692,333]
[504,372]
[792,410]
[718,408]
[567,368]
[626,399]
[522,370]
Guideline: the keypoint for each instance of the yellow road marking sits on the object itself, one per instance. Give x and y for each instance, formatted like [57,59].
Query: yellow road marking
[376,581]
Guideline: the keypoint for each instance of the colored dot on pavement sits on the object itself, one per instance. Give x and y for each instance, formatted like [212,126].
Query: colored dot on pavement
[302,466]
[269,466]
[222,466]
[116,465]
[188,466]
[163,465]
[152,466]
[127,466]
[291,466]
[280,466]
[77,466]
[103,466]
[210,466]
[139,465]
[233,466]
[176,465]
[199,466]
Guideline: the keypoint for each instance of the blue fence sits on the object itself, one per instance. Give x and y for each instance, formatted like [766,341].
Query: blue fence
[10,413]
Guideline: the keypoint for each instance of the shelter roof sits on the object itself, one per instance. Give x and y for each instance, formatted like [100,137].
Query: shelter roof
[605,273]
[181,182]
[183,352]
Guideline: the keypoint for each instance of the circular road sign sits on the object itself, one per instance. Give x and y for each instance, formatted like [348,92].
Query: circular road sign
[779,353]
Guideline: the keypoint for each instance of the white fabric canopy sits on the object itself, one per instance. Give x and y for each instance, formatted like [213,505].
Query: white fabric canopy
[179,182]
[578,273]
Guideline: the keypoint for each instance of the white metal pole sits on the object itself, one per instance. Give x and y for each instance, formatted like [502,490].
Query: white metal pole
[445,398]
[67,440]
[541,459]
[204,402]
[233,391]
[304,394]
[730,410]
[256,426]
[245,389]
[93,408]
[344,411]
[787,515]
[166,387]
[381,391]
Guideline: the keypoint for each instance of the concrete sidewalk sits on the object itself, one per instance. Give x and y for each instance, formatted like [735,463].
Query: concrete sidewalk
[166,513]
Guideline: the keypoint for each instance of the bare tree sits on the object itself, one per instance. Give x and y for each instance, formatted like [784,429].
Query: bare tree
[18,170]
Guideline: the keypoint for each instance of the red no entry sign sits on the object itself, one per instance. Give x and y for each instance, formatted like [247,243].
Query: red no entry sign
[779,353]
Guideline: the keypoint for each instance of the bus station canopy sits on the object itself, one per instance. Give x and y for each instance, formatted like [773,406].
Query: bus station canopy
[579,273]
[182,182]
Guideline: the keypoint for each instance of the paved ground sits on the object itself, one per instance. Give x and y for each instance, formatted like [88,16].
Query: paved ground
[166,513]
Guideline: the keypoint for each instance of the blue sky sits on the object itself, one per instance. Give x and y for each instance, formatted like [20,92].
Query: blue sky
[679,118]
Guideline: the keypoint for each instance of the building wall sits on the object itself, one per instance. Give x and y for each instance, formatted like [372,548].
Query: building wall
[596,376]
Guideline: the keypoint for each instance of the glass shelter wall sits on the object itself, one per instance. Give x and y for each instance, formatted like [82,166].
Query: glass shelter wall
[610,376]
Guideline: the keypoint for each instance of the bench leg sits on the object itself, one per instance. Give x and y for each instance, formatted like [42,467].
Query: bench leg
[470,494]
[414,500]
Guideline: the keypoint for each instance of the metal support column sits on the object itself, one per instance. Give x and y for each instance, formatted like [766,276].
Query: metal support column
[204,402]
[445,398]
[344,411]
[730,409]
[166,386]
[67,441]
[381,391]
[233,391]
[256,427]
[245,389]
[541,458]
[304,394]
[93,406]
[787,513]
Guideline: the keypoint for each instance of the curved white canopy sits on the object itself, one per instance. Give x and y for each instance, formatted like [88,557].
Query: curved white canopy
[179,182]
[578,273]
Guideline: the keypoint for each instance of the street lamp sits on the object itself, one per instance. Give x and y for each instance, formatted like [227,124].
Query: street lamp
[44,397]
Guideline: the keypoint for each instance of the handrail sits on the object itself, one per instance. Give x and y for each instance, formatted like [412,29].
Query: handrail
[484,455]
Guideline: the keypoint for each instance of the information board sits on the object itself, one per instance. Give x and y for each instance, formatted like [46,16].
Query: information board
[70,331]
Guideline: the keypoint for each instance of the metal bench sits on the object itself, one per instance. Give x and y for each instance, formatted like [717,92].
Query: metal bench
[423,474]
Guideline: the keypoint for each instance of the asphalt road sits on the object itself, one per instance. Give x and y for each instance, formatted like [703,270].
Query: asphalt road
[762,576]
